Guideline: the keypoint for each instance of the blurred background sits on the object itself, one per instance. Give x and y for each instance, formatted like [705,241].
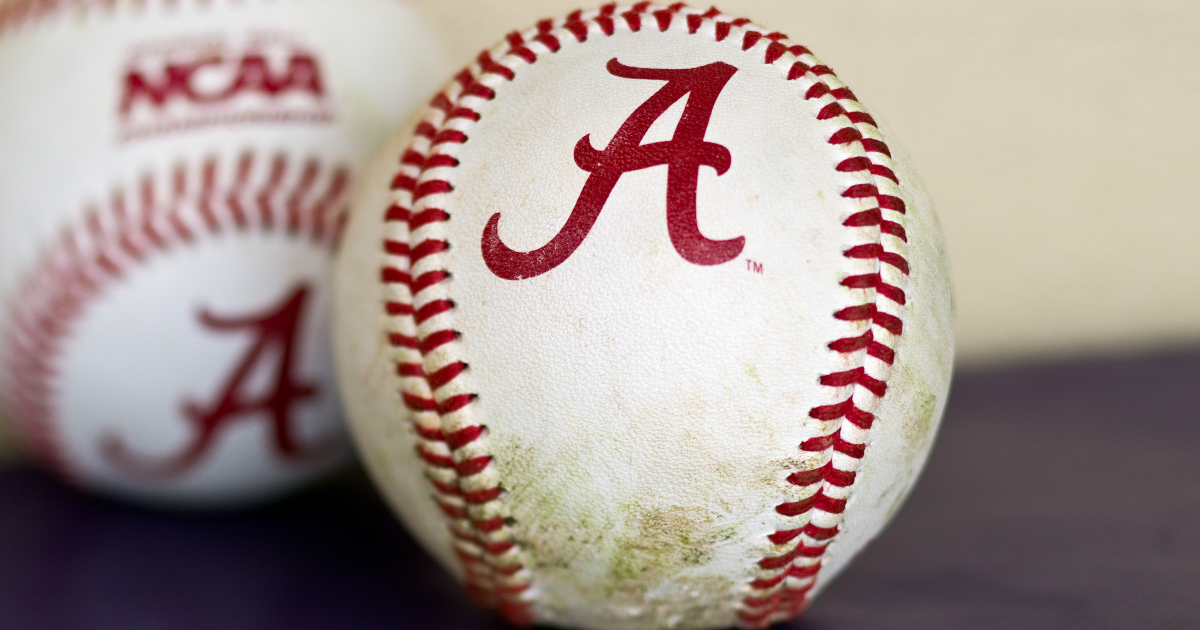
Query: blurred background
[1057,139]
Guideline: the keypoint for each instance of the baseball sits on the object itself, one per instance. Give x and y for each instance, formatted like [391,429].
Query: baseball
[174,176]
[644,323]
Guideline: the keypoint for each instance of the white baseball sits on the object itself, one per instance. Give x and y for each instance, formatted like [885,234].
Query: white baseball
[173,179]
[645,324]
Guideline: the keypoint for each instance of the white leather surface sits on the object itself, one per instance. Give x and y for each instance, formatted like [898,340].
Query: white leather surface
[643,410]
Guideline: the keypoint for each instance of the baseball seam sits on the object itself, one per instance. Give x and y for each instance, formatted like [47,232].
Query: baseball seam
[434,447]
[204,200]
[782,590]
[454,447]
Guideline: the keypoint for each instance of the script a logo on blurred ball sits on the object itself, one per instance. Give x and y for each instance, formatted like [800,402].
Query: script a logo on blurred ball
[183,85]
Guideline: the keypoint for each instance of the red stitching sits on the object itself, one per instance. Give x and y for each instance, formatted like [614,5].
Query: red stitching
[483,545]
[308,203]
[750,39]
[396,248]
[783,590]
[20,12]
[465,436]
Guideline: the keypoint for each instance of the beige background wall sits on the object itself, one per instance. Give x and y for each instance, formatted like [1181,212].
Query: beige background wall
[1060,141]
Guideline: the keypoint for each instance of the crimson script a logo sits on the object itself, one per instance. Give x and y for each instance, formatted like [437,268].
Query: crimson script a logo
[683,155]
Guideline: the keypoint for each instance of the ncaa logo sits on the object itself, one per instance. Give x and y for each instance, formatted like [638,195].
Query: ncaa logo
[190,84]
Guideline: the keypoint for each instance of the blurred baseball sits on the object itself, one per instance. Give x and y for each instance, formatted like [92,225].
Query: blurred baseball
[173,179]
[644,323]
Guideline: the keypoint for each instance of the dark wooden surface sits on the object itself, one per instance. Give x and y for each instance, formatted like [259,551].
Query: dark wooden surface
[1061,496]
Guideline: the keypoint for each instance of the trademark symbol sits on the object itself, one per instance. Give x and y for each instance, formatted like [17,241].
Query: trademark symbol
[756,267]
